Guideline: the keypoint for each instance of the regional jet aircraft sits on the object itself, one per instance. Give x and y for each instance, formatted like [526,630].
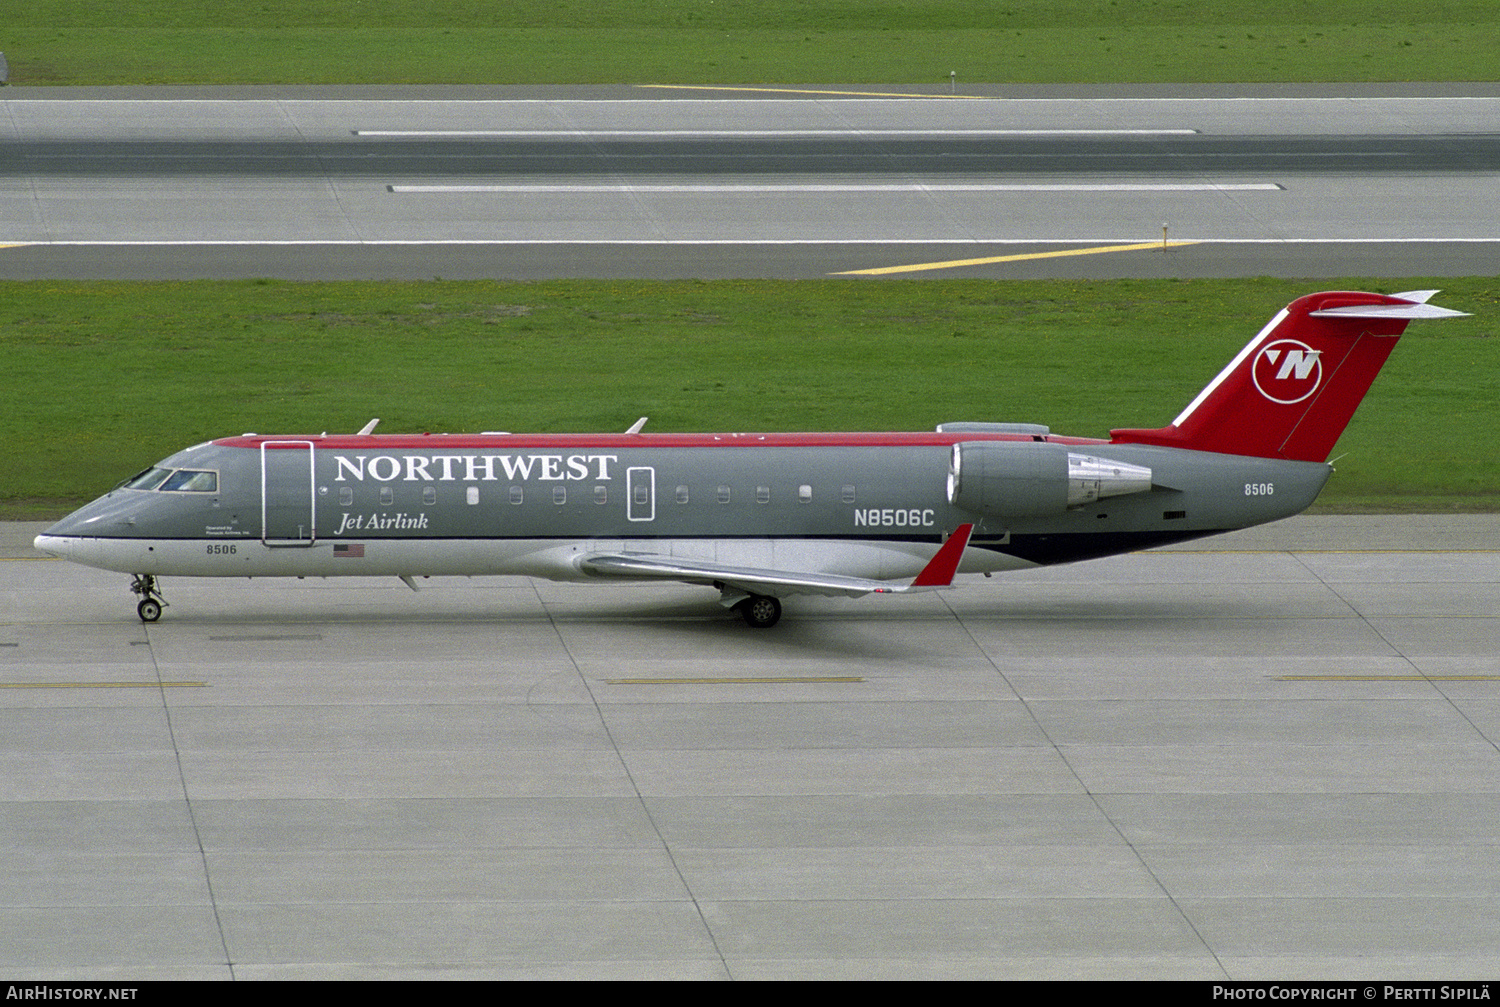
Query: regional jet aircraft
[757,516]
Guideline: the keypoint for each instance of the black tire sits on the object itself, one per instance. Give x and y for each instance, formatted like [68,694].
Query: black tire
[149,610]
[761,611]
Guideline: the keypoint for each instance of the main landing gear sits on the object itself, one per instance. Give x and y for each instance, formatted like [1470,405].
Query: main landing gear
[760,611]
[151,604]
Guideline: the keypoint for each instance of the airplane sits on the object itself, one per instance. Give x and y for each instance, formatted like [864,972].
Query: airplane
[759,517]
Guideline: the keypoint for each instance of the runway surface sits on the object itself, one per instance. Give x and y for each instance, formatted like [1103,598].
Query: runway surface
[142,183]
[1270,756]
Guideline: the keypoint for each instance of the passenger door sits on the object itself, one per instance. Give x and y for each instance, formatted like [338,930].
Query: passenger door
[287,501]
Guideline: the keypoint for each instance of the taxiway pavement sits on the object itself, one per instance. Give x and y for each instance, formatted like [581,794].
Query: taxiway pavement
[1269,755]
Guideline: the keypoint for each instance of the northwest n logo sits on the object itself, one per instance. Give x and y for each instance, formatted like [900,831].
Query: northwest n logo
[1287,371]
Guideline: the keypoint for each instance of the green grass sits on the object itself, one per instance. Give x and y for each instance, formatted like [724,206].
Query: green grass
[748,41]
[101,379]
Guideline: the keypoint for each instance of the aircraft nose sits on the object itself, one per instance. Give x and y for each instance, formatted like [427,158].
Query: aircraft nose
[107,516]
[64,538]
[52,545]
[69,527]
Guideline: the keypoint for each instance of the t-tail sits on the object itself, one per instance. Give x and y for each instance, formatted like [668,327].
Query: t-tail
[1291,391]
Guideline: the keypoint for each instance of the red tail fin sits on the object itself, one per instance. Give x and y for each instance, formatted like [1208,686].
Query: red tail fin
[1291,391]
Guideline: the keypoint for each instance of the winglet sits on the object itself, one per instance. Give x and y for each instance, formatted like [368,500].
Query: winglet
[940,570]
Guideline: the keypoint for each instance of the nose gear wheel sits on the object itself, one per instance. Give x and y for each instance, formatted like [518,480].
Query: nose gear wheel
[151,603]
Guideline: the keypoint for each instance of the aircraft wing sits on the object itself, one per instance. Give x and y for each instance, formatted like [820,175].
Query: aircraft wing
[751,581]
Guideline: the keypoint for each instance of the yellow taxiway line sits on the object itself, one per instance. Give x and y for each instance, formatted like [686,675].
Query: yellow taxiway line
[1387,678]
[103,685]
[795,90]
[955,263]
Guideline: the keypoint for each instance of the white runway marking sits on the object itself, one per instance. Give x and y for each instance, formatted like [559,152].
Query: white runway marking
[541,134]
[1115,240]
[843,98]
[721,188]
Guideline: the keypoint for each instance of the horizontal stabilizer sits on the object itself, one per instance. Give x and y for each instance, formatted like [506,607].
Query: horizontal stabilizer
[1389,311]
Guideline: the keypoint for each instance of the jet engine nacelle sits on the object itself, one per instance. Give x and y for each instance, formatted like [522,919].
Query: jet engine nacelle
[1033,479]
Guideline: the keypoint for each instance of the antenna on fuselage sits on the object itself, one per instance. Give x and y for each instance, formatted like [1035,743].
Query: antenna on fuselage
[635,427]
[368,428]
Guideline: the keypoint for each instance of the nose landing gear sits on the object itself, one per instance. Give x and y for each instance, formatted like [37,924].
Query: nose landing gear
[151,603]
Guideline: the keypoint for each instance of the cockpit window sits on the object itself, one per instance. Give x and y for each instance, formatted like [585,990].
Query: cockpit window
[191,481]
[147,480]
[174,480]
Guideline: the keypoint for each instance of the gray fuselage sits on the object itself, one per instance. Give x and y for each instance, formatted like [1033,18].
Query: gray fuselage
[870,505]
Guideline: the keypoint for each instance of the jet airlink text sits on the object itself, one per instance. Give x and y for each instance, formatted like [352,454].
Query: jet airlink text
[381,522]
[473,468]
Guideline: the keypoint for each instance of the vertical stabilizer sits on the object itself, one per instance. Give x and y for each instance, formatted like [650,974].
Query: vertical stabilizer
[1291,391]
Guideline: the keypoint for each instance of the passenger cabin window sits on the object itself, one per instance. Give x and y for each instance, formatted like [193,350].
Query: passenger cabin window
[601,494]
[346,496]
[763,494]
[471,495]
[848,494]
[559,495]
[387,496]
[429,495]
[517,496]
[804,493]
[723,494]
[682,494]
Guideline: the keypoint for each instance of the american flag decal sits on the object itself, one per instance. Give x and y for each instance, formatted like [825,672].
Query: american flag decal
[350,551]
